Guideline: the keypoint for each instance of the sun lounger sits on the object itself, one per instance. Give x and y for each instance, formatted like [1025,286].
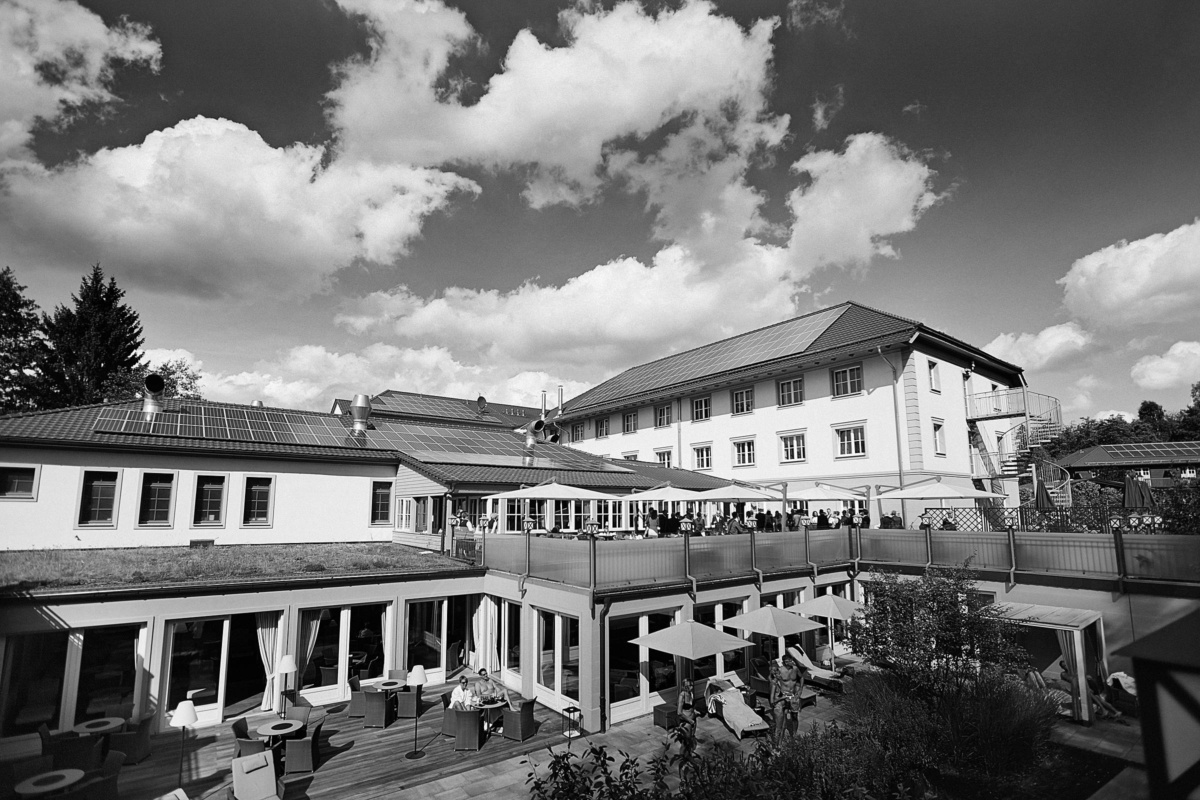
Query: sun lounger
[825,678]
[729,705]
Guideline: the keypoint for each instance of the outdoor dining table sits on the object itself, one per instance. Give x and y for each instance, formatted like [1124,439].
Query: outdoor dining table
[278,729]
[100,726]
[48,782]
[492,711]
[391,685]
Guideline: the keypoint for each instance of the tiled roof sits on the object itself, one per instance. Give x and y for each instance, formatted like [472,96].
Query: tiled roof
[843,329]
[511,476]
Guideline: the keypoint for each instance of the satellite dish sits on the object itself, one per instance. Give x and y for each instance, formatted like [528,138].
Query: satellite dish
[481,404]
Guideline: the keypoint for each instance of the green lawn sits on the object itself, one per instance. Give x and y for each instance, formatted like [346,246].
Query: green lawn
[144,566]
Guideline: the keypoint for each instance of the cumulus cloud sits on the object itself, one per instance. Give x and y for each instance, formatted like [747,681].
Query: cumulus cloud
[824,110]
[624,73]
[55,56]
[208,208]
[311,376]
[1125,415]
[1033,351]
[1080,396]
[804,14]
[1179,366]
[1150,280]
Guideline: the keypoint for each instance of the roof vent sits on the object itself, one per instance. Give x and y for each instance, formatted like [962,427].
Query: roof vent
[256,404]
[360,413]
[152,398]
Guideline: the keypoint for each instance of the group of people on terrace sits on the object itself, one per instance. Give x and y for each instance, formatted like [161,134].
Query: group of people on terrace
[486,690]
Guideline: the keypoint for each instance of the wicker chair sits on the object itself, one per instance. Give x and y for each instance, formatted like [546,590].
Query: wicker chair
[358,700]
[380,711]
[134,742]
[84,752]
[397,674]
[365,672]
[254,778]
[329,676]
[519,725]
[408,704]
[447,721]
[300,714]
[104,785]
[50,739]
[303,755]
[243,743]
[468,729]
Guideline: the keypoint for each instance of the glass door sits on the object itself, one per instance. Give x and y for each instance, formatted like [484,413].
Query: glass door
[638,678]
[557,679]
[197,656]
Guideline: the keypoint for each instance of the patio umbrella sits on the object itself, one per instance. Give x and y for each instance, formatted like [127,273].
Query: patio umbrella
[1133,495]
[823,491]
[737,494]
[829,606]
[1147,495]
[664,494]
[1042,499]
[691,640]
[552,490]
[772,621]
[935,490]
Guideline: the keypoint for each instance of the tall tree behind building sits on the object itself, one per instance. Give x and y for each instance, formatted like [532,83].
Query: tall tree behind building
[98,337]
[23,351]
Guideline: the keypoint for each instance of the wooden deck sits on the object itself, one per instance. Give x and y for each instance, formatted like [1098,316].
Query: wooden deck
[355,762]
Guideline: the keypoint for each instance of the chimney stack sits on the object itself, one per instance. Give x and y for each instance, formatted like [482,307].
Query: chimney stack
[152,398]
[360,413]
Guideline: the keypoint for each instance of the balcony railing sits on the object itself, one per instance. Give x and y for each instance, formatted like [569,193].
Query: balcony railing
[1014,403]
[605,566]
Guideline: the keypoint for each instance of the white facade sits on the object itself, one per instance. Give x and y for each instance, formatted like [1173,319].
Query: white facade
[296,501]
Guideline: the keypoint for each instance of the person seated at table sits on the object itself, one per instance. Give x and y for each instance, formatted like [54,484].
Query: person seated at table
[464,696]
[490,689]
[948,525]
[735,525]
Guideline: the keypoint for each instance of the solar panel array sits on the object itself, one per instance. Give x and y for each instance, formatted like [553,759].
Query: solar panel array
[446,445]
[427,406]
[765,344]
[1152,450]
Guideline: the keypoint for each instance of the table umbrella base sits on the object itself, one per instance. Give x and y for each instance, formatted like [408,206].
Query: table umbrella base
[415,754]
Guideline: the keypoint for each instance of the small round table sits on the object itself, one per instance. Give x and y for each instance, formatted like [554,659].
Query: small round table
[492,711]
[48,782]
[391,685]
[279,728]
[100,726]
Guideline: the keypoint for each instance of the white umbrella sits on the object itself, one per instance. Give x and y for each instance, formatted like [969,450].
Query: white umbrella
[691,640]
[737,494]
[829,606]
[823,491]
[772,621]
[935,490]
[664,494]
[552,491]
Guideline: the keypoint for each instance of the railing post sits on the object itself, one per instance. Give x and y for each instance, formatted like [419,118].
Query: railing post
[1012,556]
[928,545]
[1122,569]
[687,565]
[592,574]
[483,542]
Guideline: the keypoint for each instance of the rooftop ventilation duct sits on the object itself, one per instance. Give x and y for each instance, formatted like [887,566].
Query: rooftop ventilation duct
[256,403]
[360,413]
[152,398]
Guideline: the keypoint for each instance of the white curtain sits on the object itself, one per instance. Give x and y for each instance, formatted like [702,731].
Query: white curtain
[1066,643]
[267,623]
[485,627]
[310,623]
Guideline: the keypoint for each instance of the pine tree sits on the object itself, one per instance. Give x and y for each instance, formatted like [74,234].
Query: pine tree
[22,350]
[96,339]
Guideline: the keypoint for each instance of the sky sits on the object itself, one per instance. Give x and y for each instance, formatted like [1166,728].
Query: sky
[308,199]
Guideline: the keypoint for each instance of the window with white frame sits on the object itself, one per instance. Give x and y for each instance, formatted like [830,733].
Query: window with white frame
[851,441]
[847,380]
[577,432]
[18,482]
[701,408]
[939,437]
[702,457]
[1144,474]
[743,453]
[629,422]
[1188,473]
[256,507]
[935,378]
[742,400]
[664,457]
[793,447]
[791,392]
[601,427]
[381,502]
[562,515]
[154,507]
[662,416]
[98,497]
[210,500]
[404,513]
[629,456]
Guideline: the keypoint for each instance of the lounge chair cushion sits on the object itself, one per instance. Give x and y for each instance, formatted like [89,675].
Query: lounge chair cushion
[730,706]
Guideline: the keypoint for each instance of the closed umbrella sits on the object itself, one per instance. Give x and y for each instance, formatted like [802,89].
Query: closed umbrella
[1042,499]
[772,621]
[1147,495]
[1133,495]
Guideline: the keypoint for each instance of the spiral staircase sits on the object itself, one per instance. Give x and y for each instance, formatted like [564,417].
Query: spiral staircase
[1020,449]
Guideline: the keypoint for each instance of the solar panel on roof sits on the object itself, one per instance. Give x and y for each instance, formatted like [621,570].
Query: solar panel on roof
[766,344]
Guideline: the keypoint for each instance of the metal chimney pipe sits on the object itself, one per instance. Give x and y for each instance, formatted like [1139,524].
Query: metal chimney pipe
[152,398]
[360,413]
[256,403]
[543,403]
[560,398]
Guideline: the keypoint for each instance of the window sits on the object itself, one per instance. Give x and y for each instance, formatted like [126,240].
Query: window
[18,483]
[743,453]
[577,432]
[629,422]
[702,457]
[629,456]
[664,457]
[852,441]
[791,392]
[381,502]
[662,416]
[1144,474]
[404,510]
[155,507]
[601,427]
[935,380]
[257,508]
[98,500]
[210,500]
[847,381]
[743,400]
[562,515]
[1188,472]
[792,447]
[701,408]
[939,437]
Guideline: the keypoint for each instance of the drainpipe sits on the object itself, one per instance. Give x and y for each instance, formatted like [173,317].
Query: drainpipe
[483,541]
[808,554]
[758,580]
[928,545]
[679,432]
[525,574]
[1012,556]
[592,574]
[687,565]
[604,664]
[899,440]
[857,539]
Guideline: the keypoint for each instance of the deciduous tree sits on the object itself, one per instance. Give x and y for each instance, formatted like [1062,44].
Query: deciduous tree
[22,349]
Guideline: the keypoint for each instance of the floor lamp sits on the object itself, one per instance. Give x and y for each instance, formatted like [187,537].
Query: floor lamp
[185,715]
[416,679]
[287,666]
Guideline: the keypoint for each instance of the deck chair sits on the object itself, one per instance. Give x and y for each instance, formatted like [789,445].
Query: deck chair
[303,755]
[728,704]
[254,778]
[825,678]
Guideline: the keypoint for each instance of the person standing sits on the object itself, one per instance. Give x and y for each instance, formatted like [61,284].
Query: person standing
[760,520]
[786,687]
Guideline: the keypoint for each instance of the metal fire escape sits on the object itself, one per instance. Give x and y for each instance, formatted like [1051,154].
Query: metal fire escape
[1020,448]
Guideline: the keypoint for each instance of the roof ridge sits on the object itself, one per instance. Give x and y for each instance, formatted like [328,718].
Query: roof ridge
[447,397]
[43,411]
[888,314]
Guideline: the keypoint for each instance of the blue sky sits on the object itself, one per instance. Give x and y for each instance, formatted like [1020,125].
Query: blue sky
[311,199]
